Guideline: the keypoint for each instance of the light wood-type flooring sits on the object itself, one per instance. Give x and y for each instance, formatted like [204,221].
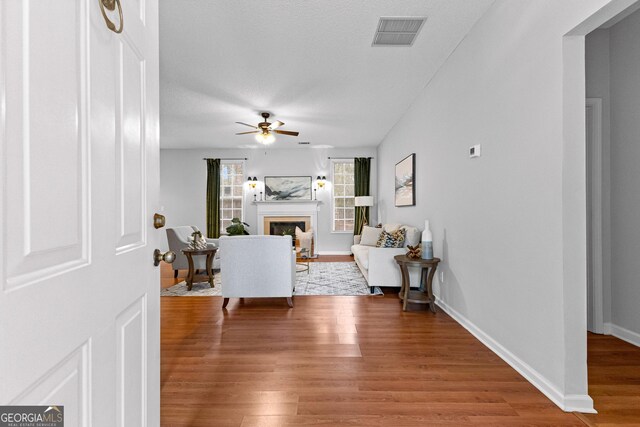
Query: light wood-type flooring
[359,361]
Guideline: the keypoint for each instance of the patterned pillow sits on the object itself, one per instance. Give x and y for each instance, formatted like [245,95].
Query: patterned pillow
[391,240]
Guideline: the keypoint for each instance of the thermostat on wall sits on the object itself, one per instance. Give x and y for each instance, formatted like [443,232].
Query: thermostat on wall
[475,151]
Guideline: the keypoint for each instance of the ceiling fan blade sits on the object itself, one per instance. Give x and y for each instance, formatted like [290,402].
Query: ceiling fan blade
[287,132]
[247,124]
[276,125]
[246,133]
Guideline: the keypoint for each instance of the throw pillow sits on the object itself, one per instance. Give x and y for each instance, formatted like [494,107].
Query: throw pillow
[390,228]
[370,236]
[391,240]
[304,238]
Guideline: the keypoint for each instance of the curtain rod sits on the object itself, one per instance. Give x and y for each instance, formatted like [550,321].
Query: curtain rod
[346,158]
[226,158]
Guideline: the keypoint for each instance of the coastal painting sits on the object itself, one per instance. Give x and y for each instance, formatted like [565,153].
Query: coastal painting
[405,181]
[287,187]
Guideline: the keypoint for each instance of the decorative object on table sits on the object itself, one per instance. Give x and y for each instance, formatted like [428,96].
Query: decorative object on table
[197,241]
[158,221]
[405,181]
[261,199]
[429,267]
[287,187]
[237,228]
[427,242]
[414,252]
[394,239]
[363,202]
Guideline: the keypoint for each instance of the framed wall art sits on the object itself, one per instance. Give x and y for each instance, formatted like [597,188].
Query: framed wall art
[287,187]
[405,181]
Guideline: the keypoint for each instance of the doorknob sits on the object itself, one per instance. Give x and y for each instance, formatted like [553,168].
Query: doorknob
[167,257]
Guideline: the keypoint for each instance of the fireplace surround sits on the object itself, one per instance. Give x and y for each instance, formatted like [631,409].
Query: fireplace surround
[288,214]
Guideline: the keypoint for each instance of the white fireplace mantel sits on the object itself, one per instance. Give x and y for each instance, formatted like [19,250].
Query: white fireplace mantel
[293,208]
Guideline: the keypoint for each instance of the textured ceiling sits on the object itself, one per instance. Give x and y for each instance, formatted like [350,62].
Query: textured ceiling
[310,63]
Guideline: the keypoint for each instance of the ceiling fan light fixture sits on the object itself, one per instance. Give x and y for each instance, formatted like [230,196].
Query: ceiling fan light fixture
[265,138]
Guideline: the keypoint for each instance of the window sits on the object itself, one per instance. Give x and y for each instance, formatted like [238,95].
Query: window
[343,196]
[231,196]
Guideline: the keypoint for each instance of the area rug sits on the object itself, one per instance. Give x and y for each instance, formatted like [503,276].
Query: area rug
[324,278]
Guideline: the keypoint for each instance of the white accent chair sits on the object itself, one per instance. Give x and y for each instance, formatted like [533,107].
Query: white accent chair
[178,239]
[257,267]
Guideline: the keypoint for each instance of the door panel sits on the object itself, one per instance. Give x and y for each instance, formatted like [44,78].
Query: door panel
[132,366]
[79,296]
[66,382]
[130,149]
[45,121]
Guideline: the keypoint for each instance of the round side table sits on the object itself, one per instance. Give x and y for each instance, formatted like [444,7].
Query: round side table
[429,267]
[189,253]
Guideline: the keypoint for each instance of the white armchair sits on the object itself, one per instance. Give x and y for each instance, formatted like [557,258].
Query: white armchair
[257,267]
[178,238]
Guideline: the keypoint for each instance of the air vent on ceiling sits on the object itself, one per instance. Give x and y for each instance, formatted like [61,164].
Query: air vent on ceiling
[398,31]
[303,143]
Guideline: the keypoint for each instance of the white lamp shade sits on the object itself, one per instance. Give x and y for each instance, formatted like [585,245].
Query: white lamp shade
[364,201]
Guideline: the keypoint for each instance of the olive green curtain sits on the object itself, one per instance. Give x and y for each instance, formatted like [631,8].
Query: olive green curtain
[362,168]
[213,198]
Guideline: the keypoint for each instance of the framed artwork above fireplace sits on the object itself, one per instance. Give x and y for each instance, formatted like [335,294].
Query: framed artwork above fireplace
[287,187]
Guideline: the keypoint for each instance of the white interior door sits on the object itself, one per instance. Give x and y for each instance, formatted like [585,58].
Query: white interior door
[79,296]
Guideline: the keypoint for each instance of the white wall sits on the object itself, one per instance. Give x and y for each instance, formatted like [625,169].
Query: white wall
[183,184]
[625,174]
[499,221]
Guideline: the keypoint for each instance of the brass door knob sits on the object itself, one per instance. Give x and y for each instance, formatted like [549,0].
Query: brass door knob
[167,257]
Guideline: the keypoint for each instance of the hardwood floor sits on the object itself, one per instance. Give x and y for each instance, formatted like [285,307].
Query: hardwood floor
[359,361]
[614,381]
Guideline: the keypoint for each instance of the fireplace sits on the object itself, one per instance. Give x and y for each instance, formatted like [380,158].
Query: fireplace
[292,214]
[282,228]
[286,225]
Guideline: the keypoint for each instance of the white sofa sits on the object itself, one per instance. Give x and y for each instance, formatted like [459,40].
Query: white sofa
[377,264]
[257,267]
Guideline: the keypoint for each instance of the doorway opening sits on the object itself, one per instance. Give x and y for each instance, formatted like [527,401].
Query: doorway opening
[612,64]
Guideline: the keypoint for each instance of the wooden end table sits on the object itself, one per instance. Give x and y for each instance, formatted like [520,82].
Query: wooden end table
[429,267]
[189,253]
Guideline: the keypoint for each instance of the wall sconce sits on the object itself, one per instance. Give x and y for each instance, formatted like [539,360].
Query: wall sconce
[320,181]
[253,183]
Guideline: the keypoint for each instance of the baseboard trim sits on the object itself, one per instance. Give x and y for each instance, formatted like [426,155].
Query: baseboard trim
[622,333]
[568,403]
[334,252]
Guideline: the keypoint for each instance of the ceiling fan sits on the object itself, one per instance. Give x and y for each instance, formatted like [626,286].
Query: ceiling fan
[265,130]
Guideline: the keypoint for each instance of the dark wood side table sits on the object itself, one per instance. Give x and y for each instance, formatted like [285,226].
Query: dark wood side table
[429,267]
[189,253]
